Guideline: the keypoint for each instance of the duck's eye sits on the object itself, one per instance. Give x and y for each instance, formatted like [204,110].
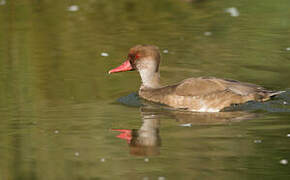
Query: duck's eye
[133,56]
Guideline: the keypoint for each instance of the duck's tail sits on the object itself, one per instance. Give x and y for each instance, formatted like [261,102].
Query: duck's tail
[267,95]
[275,93]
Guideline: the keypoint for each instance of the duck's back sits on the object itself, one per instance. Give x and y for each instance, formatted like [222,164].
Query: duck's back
[206,94]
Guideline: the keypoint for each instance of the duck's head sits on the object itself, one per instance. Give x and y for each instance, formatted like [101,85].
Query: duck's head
[140,58]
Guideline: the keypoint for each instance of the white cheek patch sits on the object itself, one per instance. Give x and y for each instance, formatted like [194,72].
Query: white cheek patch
[147,72]
[146,76]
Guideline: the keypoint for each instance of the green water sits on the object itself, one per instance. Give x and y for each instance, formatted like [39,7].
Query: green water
[59,109]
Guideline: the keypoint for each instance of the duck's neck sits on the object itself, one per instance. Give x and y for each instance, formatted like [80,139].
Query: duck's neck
[150,78]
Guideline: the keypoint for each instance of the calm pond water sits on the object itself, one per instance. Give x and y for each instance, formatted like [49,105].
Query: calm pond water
[63,117]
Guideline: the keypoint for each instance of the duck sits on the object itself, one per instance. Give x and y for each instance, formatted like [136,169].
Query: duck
[199,94]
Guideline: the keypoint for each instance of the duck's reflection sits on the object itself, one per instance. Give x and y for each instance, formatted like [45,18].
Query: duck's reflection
[203,118]
[146,141]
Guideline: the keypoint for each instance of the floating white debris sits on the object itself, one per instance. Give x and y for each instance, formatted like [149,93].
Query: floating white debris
[77,153]
[288,135]
[288,49]
[257,141]
[2,2]
[145,178]
[284,161]
[284,102]
[73,8]
[146,160]
[104,54]
[165,51]
[207,33]
[185,125]
[102,159]
[161,178]
[233,11]
[56,132]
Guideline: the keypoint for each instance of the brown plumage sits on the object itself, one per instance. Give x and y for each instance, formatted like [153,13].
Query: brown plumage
[205,94]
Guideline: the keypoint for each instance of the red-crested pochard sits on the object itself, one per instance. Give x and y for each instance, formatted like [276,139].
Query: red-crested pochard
[203,94]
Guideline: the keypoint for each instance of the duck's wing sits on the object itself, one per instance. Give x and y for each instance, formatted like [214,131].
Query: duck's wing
[208,85]
[199,87]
